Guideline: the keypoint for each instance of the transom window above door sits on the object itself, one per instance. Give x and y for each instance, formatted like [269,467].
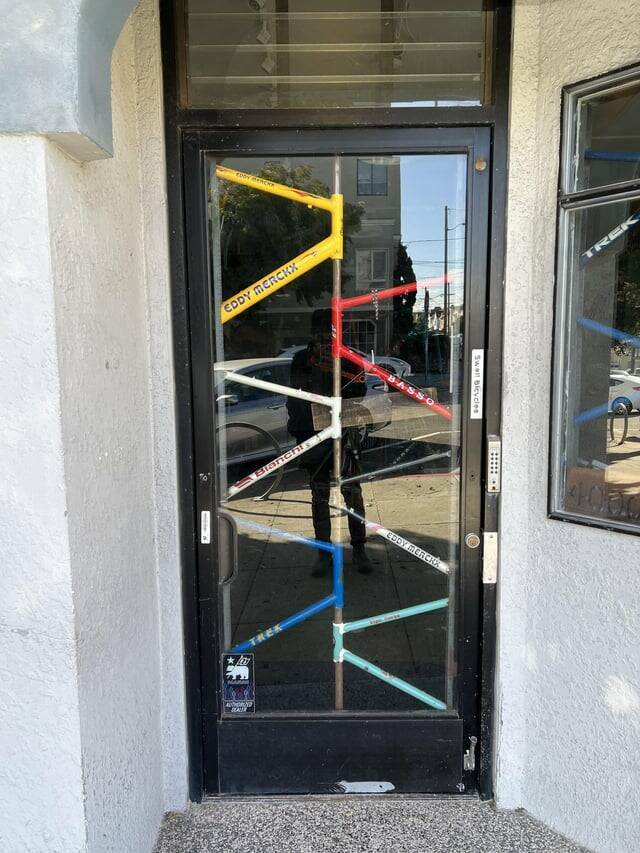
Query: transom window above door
[322,54]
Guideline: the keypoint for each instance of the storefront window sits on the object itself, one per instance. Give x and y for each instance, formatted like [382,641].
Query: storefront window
[608,137]
[319,54]
[596,425]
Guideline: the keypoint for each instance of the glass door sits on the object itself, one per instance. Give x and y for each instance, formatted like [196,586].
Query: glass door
[342,297]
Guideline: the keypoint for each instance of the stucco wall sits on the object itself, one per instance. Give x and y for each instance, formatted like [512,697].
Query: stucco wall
[109,237]
[569,659]
[92,726]
[40,767]
[151,154]
[55,57]
[96,225]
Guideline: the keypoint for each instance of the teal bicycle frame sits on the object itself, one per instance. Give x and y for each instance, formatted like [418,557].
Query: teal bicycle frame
[341,654]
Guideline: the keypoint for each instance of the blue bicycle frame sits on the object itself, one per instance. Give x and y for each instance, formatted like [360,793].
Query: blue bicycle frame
[335,599]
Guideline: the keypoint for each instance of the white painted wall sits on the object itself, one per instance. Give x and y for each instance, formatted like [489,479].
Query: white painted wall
[55,57]
[98,263]
[92,725]
[151,154]
[109,232]
[41,804]
[569,658]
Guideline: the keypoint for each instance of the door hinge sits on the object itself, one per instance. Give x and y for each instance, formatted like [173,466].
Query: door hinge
[469,762]
[490,557]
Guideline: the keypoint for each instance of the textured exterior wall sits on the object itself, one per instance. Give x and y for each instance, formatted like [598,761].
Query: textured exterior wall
[109,235]
[98,263]
[92,727]
[37,58]
[55,57]
[569,660]
[151,154]
[40,768]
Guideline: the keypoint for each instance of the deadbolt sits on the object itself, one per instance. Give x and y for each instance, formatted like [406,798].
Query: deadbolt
[472,540]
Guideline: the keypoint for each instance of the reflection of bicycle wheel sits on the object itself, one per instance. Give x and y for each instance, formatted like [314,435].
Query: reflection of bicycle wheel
[616,417]
[247,448]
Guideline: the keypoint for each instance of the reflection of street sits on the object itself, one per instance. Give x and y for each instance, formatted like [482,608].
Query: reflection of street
[405,424]
[612,491]
[625,454]
[400,310]
[273,580]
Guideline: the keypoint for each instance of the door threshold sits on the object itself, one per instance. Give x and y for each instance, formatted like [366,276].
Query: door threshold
[292,798]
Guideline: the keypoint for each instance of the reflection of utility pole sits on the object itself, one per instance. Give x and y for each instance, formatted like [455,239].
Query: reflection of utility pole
[446,270]
[426,336]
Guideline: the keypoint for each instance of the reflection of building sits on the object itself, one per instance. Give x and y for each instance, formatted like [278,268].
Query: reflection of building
[370,257]
[375,258]
[436,322]
[371,186]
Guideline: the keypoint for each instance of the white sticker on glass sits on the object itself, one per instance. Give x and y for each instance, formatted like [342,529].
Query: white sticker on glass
[477,383]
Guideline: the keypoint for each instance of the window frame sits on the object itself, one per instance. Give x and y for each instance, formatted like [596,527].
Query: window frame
[454,113]
[570,200]
[371,282]
[371,163]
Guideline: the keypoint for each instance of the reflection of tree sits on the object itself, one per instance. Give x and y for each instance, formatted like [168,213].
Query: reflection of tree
[260,232]
[408,342]
[403,305]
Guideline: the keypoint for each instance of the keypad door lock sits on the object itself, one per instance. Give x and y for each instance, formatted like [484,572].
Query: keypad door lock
[494,463]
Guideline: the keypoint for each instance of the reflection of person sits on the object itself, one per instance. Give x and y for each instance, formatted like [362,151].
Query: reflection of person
[311,370]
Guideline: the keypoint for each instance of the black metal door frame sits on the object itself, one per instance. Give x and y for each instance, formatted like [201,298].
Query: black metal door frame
[292,746]
[179,120]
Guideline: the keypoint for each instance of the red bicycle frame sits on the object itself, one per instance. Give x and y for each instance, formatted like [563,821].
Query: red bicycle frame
[339,350]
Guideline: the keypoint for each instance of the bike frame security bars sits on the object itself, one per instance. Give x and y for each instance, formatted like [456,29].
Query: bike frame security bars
[340,350]
[332,431]
[342,654]
[331,247]
[336,598]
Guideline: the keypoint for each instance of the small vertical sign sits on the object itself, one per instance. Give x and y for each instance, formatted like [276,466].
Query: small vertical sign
[477,384]
[238,684]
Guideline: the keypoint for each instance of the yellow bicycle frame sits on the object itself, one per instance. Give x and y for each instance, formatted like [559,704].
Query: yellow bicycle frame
[330,247]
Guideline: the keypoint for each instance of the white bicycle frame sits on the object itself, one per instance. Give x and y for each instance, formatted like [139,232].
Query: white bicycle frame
[333,431]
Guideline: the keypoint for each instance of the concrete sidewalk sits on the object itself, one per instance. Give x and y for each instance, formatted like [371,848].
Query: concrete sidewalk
[356,825]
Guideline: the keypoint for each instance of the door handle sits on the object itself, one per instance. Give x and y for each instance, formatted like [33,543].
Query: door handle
[276,407]
[227,547]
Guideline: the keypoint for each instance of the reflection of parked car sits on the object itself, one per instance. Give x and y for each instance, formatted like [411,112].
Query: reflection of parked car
[397,366]
[268,410]
[624,392]
[255,406]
